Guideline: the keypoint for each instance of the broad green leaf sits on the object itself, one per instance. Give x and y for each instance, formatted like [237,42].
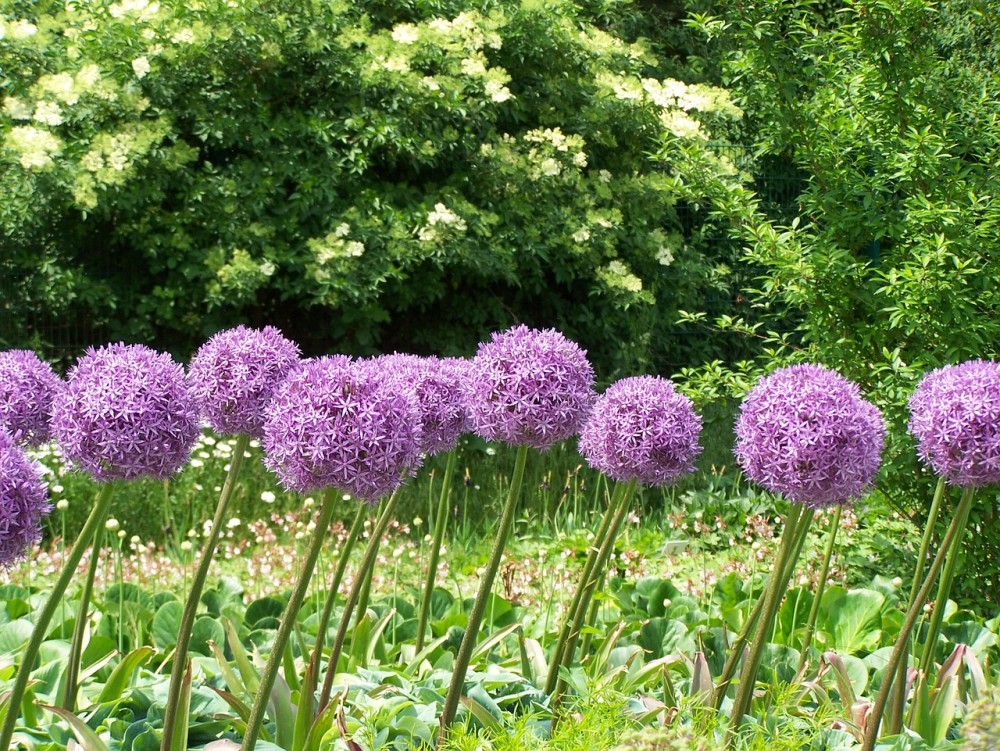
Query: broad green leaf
[167,624]
[121,677]
[853,620]
[85,735]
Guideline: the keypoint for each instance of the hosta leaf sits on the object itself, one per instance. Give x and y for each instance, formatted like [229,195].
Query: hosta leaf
[853,620]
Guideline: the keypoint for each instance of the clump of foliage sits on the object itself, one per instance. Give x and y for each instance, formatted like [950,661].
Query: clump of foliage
[885,270]
[401,175]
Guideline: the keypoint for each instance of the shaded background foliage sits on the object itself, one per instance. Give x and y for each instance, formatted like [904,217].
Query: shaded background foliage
[400,175]
[367,176]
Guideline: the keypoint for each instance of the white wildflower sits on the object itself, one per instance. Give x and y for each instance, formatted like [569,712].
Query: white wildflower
[405,33]
[48,113]
[141,66]
[16,109]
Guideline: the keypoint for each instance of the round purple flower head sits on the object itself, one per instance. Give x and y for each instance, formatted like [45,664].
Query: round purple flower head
[955,417]
[334,424]
[642,428]
[23,502]
[527,386]
[806,432]
[126,411]
[27,385]
[437,386]
[234,374]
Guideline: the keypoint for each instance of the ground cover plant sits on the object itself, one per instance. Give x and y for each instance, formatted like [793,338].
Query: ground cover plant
[739,660]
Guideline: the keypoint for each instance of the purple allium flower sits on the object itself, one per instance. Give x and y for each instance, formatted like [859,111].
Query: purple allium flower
[642,428]
[955,417]
[27,385]
[126,411]
[335,424]
[437,386]
[806,432]
[234,374]
[23,502]
[529,386]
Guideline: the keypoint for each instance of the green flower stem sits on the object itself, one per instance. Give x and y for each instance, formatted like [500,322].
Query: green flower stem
[464,655]
[736,648]
[591,620]
[820,586]
[603,556]
[585,575]
[260,702]
[367,564]
[72,674]
[899,688]
[440,524]
[910,619]
[94,522]
[190,611]
[944,586]
[331,596]
[772,599]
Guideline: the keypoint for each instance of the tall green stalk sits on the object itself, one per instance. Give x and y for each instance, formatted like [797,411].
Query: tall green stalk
[773,594]
[899,688]
[468,645]
[944,585]
[94,522]
[364,572]
[256,719]
[72,674]
[581,585]
[190,611]
[736,648]
[910,619]
[597,573]
[824,569]
[331,593]
[440,524]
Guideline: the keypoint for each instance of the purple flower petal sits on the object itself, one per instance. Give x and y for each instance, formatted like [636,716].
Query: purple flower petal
[642,428]
[955,417]
[529,386]
[234,374]
[23,502]
[27,386]
[806,432]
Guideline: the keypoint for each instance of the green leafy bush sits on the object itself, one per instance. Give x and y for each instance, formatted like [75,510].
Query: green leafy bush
[364,175]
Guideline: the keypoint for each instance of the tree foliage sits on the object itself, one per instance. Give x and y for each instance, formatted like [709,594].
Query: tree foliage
[890,109]
[364,174]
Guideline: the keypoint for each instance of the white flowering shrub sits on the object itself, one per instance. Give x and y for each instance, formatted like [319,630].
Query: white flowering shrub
[410,175]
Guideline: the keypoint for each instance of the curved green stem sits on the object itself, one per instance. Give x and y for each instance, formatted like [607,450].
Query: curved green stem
[190,611]
[944,586]
[440,524]
[468,645]
[72,674]
[581,585]
[331,594]
[367,564]
[772,599]
[899,689]
[824,569]
[603,556]
[736,648]
[902,642]
[94,522]
[256,719]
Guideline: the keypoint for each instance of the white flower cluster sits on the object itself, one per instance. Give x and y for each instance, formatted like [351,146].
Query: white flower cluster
[618,275]
[336,245]
[35,146]
[139,9]
[468,27]
[441,216]
[548,161]
[17,29]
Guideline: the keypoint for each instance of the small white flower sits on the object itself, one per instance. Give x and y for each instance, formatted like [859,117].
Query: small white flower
[111,524]
[141,66]
[233,523]
[186,545]
[16,109]
[56,488]
[267,496]
[405,33]
[62,505]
